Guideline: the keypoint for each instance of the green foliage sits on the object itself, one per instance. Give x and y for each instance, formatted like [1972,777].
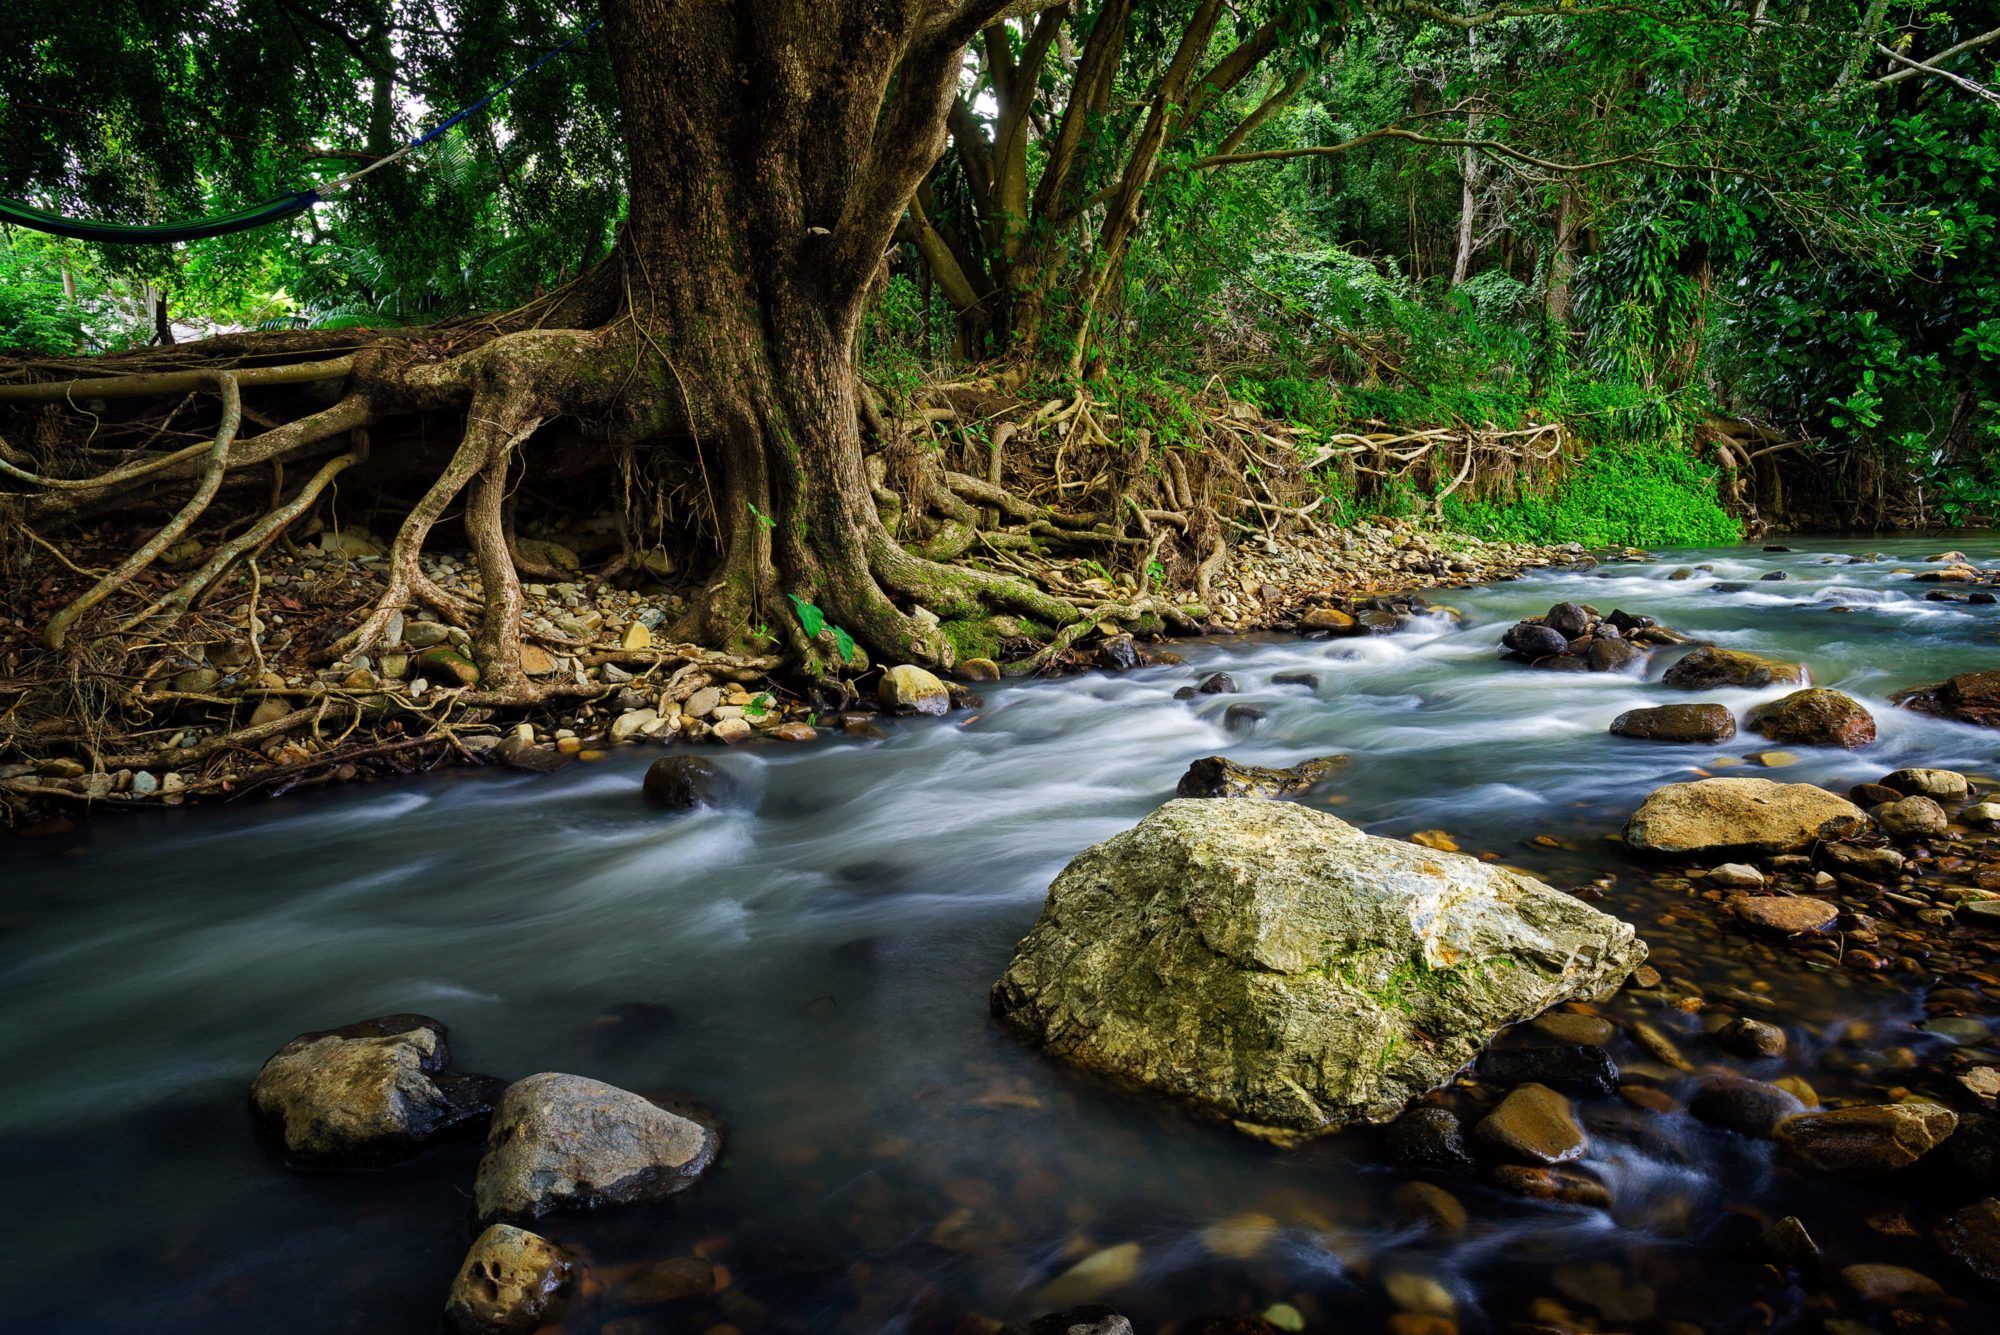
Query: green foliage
[1615,496]
[813,621]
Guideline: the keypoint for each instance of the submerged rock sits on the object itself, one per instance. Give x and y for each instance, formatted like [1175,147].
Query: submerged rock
[1676,723]
[367,1093]
[681,782]
[1219,776]
[1533,1123]
[1815,717]
[1278,967]
[1710,667]
[564,1142]
[1758,816]
[512,1282]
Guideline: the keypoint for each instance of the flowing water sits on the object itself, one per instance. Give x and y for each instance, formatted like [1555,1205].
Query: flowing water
[813,964]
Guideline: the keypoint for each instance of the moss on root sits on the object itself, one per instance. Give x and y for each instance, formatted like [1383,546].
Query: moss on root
[972,637]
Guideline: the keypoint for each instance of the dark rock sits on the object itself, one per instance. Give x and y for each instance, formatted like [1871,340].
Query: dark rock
[367,1093]
[1582,1069]
[1788,1240]
[1627,622]
[1878,866]
[1309,680]
[1970,697]
[1709,667]
[1608,655]
[1774,576]
[1242,718]
[1751,1038]
[1186,693]
[1376,622]
[1430,1138]
[1877,1138]
[1217,683]
[1219,776]
[1777,547]
[1890,1285]
[1076,1321]
[1973,1236]
[1676,723]
[674,1280]
[1431,1207]
[512,1282]
[1873,794]
[1530,640]
[564,1142]
[681,782]
[1750,1107]
[1569,619]
[1118,653]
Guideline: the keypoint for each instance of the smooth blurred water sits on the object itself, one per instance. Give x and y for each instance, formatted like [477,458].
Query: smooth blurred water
[813,963]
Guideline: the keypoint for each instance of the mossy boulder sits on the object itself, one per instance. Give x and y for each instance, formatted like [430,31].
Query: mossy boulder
[1709,667]
[1275,966]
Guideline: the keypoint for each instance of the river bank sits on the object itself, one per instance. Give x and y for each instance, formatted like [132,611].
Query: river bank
[812,961]
[247,708]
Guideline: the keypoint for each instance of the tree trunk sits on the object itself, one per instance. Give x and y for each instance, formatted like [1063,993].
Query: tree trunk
[771,160]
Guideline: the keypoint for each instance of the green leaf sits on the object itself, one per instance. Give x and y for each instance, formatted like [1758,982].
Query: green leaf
[810,617]
[846,644]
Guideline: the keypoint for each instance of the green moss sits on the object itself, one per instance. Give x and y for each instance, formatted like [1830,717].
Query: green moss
[971,637]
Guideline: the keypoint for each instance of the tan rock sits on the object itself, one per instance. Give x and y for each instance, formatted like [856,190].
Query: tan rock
[511,1282]
[1740,815]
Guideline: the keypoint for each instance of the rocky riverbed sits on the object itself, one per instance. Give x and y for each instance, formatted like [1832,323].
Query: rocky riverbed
[1784,1119]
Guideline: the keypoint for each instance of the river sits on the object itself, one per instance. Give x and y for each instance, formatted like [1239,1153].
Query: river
[813,964]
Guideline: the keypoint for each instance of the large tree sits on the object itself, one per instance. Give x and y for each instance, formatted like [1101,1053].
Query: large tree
[772,150]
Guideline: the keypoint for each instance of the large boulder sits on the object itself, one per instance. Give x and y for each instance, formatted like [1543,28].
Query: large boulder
[1676,723]
[1709,667]
[1970,697]
[1219,776]
[367,1093]
[1815,717]
[512,1282]
[1755,816]
[1275,966]
[564,1142]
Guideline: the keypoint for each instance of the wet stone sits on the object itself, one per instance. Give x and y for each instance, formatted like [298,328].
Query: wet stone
[1751,1038]
[1878,865]
[1889,1284]
[1219,776]
[1217,683]
[1911,818]
[512,1282]
[565,1142]
[367,1093]
[1815,717]
[1747,1106]
[1676,723]
[1788,1240]
[1870,1139]
[1086,1320]
[1972,1235]
[1429,1205]
[1709,667]
[1584,1070]
[1570,1027]
[1564,1185]
[1431,1138]
[679,783]
[1942,785]
[1784,915]
[1534,1123]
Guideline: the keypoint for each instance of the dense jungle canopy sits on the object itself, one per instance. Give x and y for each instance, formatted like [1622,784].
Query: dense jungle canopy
[721,259]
